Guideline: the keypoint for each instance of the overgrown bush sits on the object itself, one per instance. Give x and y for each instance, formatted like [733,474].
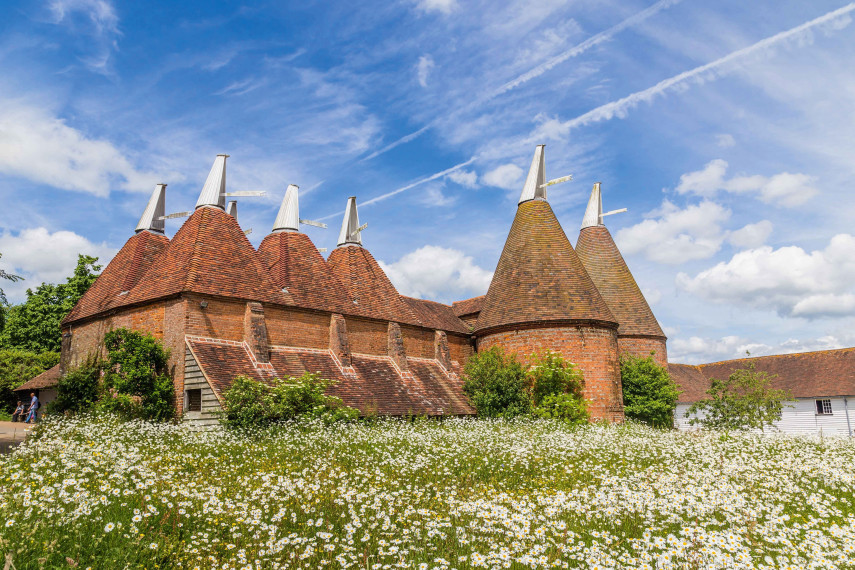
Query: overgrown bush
[136,382]
[18,366]
[496,384]
[250,403]
[649,393]
[78,390]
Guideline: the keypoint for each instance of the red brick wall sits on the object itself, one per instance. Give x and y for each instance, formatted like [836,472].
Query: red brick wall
[643,346]
[88,337]
[367,337]
[460,348]
[220,319]
[593,349]
[293,327]
[418,342]
[174,318]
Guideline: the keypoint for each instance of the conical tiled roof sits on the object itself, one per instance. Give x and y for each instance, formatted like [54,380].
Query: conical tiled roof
[607,268]
[539,277]
[120,276]
[211,255]
[294,263]
[372,292]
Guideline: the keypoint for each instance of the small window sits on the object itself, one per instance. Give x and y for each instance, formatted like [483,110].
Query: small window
[194,400]
[823,407]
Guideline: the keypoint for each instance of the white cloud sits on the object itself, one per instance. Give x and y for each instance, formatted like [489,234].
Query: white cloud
[438,273]
[42,148]
[423,69]
[789,280]
[725,140]
[699,350]
[507,176]
[677,235]
[751,235]
[432,195]
[100,22]
[653,296]
[41,256]
[466,178]
[782,189]
[443,6]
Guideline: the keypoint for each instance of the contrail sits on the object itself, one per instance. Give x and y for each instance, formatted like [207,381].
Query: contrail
[536,72]
[408,186]
[620,107]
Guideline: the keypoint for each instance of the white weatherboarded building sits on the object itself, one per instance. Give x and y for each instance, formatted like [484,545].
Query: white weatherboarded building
[822,383]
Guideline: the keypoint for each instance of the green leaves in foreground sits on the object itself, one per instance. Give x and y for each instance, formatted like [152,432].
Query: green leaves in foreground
[649,394]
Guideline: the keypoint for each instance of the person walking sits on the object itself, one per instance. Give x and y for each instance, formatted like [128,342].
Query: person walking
[33,412]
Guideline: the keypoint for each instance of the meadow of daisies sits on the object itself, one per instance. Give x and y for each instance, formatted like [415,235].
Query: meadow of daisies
[394,494]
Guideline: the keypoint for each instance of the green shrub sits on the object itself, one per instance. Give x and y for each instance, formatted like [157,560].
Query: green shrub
[649,394]
[496,384]
[18,366]
[551,374]
[566,407]
[136,383]
[250,403]
[77,391]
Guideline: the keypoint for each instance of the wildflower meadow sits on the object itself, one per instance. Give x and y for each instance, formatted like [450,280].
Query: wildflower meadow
[95,492]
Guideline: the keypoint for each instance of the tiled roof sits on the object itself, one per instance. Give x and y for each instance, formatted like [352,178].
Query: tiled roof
[818,374]
[121,274]
[293,262]
[436,315]
[539,277]
[369,287]
[210,255]
[373,384]
[607,268]
[47,379]
[468,306]
[691,381]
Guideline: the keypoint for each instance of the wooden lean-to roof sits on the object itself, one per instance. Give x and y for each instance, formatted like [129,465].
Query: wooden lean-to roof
[539,277]
[607,268]
[47,379]
[209,255]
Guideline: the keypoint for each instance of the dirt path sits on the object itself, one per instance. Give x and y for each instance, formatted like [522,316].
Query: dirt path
[11,434]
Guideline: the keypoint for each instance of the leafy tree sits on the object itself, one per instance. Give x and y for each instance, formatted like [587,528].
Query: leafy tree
[250,403]
[649,393]
[551,374]
[79,389]
[566,407]
[18,366]
[745,400]
[496,384]
[136,381]
[35,324]
[3,301]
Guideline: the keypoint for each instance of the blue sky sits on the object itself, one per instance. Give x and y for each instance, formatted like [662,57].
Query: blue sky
[726,128]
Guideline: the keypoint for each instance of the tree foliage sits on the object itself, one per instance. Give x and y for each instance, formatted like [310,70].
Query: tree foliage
[3,301]
[745,400]
[78,390]
[250,403]
[136,382]
[496,384]
[35,324]
[18,366]
[649,393]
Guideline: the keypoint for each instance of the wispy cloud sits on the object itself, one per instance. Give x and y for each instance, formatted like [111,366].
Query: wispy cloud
[423,69]
[534,72]
[100,22]
[706,72]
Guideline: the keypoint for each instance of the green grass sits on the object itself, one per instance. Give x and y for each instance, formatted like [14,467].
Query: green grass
[455,494]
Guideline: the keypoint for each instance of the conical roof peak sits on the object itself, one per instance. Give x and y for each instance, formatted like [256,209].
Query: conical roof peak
[232,209]
[350,233]
[594,211]
[535,183]
[152,217]
[610,273]
[539,277]
[214,191]
[288,218]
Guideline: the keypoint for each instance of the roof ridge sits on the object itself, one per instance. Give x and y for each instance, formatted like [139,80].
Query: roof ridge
[783,355]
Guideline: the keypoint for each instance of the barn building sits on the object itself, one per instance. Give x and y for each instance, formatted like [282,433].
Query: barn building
[223,308]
